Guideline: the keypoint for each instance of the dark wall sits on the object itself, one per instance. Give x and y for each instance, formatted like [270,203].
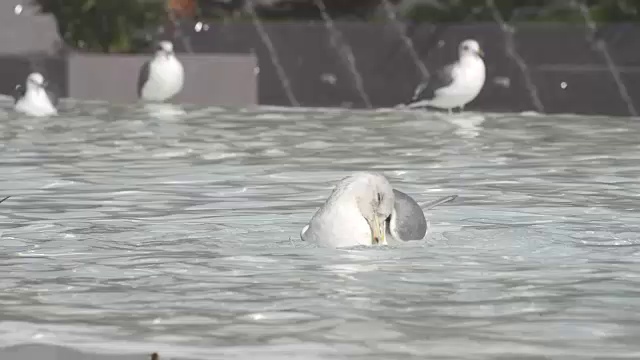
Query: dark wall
[315,61]
[14,70]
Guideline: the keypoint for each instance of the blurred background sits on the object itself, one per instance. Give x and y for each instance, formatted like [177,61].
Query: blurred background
[552,56]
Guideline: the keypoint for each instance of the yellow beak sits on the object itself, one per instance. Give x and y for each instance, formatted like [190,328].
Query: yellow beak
[480,52]
[378,230]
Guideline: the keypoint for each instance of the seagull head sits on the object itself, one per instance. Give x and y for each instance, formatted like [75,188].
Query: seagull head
[165,48]
[470,47]
[36,81]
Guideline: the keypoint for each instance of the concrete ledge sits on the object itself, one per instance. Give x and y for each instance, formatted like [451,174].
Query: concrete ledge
[220,79]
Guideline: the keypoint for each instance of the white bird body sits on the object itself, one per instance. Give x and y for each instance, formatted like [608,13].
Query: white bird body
[456,84]
[35,101]
[358,203]
[163,77]
[335,235]
[469,79]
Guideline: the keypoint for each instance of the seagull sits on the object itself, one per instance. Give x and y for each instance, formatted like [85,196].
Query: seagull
[454,85]
[364,209]
[34,99]
[162,77]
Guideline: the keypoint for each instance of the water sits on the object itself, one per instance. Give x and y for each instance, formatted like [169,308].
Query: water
[130,233]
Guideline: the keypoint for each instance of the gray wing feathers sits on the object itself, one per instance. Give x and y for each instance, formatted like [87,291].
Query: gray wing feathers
[409,221]
[441,78]
[143,76]
[18,92]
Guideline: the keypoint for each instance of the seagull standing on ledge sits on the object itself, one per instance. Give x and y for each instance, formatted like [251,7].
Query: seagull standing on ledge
[33,99]
[454,85]
[162,77]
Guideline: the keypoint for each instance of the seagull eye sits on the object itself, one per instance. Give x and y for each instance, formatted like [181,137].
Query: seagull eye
[379,198]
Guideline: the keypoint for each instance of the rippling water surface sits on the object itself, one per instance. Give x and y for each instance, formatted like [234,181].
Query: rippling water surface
[133,230]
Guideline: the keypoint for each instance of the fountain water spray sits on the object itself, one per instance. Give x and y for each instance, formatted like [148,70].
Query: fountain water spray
[344,51]
[266,40]
[601,46]
[391,14]
[513,53]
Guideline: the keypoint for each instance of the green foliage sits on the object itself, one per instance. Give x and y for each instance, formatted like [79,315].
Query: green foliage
[104,25]
[614,10]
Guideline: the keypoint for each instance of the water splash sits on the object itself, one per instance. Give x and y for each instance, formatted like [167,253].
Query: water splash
[344,51]
[391,15]
[510,47]
[601,46]
[273,54]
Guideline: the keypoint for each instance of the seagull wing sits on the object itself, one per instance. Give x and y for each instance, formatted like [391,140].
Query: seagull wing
[443,77]
[18,92]
[143,76]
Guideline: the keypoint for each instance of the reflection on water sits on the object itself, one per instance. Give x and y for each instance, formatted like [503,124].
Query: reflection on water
[130,230]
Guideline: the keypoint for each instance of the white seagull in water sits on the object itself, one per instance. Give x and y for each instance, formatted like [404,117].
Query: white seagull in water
[34,99]
[454,85]
[364,209]
[162,77]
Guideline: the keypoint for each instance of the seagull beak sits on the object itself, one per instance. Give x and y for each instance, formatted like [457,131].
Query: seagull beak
[378,231]
[480,53]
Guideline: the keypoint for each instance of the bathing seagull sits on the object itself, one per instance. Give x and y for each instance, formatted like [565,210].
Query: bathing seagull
[162,77]
[364,209]
[454,85]
[34,98]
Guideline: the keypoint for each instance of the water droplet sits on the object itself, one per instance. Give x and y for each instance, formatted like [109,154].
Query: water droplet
[198,26]
[563,85]
[329,79]
[502,81]
[256,70]
[18,9]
